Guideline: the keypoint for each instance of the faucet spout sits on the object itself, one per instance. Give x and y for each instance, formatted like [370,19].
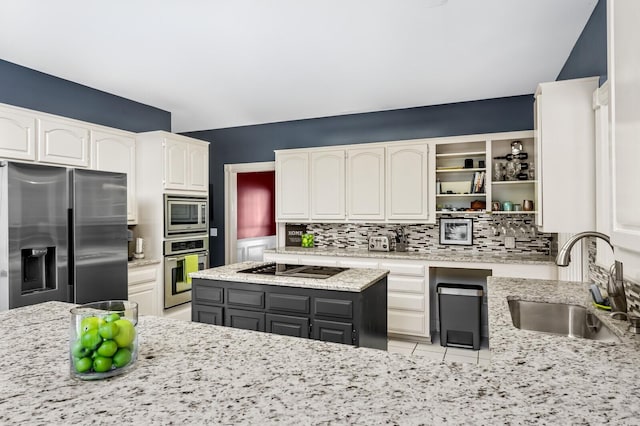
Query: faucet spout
[564,254]
[615,284]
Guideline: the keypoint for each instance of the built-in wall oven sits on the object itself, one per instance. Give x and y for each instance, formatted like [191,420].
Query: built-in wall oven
[182,256]
[185,215]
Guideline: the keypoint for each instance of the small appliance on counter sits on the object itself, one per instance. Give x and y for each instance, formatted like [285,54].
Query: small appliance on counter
[379,243]
[139,253]
[401,240]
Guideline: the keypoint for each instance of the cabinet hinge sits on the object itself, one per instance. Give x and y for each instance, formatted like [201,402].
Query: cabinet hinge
[354,335]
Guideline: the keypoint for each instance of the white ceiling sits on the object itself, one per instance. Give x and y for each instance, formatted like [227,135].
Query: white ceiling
[225,63]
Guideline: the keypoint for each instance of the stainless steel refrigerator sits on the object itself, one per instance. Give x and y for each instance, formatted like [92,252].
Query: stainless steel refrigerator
[63,235]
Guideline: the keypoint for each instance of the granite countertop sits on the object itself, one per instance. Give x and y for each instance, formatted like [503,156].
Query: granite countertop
[353,279]
[142,262]
[193,373]
[518,258]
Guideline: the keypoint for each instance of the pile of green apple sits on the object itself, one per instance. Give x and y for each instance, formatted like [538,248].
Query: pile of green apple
[307,240]
[103,343]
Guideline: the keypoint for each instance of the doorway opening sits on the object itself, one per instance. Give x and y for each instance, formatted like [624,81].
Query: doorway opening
[249,211]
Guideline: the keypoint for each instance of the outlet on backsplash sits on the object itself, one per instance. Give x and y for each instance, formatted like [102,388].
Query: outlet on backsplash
[509,242]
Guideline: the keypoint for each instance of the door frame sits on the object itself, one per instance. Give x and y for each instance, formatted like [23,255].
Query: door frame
[231,203]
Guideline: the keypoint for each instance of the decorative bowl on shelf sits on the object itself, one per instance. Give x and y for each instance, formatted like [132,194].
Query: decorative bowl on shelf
[103,339]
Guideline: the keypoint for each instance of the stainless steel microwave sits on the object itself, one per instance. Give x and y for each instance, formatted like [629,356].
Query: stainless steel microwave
[185,215]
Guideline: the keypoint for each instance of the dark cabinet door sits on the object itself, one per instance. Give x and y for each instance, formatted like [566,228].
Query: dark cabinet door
[207,294]
[333,307]
[332,331]
[207,314]
[252,299]
[288,325]
[288,302]
[247,320]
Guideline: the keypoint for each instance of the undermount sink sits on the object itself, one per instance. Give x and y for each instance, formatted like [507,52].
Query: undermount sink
[559,318]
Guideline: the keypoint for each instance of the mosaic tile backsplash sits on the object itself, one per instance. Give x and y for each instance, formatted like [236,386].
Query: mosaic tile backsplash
[488,235]
[600,276]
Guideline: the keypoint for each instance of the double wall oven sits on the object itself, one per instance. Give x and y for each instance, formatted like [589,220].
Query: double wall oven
[186,245]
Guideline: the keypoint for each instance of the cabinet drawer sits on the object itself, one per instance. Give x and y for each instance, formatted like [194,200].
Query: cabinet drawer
[332,331]
[247,320]
[407,301]
[279,258]
[142,275]
[406,323]
[358,264]
[318,261]
[254,299]
[405,284]
[404,269]
[333,307]
[207,314]
[208,294]
[288,303]
[287,325]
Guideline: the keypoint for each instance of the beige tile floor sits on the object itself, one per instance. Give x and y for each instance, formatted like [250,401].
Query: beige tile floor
[441,353]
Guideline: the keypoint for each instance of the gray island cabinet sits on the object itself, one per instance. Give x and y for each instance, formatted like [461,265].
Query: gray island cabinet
[348,308]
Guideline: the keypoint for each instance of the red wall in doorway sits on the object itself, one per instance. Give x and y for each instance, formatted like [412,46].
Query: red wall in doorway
[256,204]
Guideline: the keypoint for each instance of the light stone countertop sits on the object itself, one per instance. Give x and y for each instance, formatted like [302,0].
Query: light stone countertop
[193,373]
[142,262]
[353,279]
[475,257]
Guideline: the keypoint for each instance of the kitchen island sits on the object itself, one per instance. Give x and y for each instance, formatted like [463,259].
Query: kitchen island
[193,373]
[340,305]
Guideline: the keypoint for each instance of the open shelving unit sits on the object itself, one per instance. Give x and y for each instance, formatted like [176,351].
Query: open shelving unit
[515,191]
[451,175]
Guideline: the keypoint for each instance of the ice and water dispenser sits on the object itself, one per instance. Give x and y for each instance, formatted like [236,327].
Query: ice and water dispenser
[38,269]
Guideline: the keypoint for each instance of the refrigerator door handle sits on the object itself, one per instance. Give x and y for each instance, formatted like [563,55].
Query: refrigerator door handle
[70,257]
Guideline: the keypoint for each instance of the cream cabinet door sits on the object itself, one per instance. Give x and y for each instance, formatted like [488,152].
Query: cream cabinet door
[176,159]
[565,162]
[327,185]
[62,143]
[145,296]
[115,152]
[17,135]
[365,183]
[624,64]
[198,167]
[407,188]
[292,186]
[143,289]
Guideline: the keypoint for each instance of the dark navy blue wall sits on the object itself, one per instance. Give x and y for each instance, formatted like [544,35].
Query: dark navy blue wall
[27,88]
[589,56]
[256,143]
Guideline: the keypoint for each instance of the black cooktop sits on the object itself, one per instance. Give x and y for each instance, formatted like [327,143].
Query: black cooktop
[286,270]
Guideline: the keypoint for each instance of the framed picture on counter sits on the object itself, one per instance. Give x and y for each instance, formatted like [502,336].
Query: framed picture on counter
[456,231]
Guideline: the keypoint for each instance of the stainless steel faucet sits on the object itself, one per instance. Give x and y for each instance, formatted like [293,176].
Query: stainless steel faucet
[615,284]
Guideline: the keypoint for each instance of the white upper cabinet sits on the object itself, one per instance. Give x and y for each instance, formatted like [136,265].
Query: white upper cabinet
[565,160]
[624,77]
[176,160]
[407,182]
[366,183]
[62,143]
[292,186]
[17,135]
[327,185]
[116,152]
[198,177]
[186,164]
